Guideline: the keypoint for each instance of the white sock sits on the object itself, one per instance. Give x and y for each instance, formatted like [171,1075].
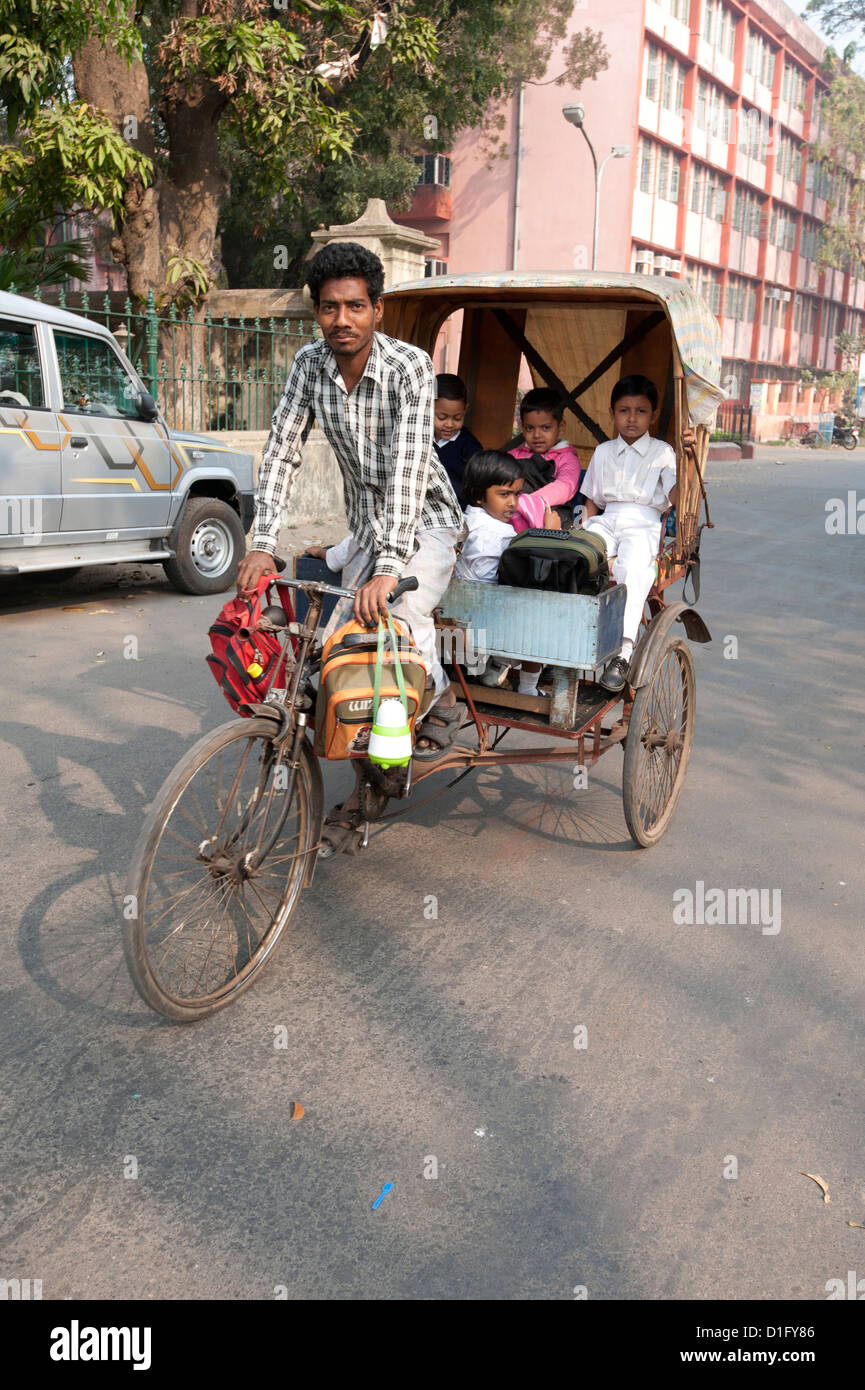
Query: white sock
[528,683]
[627,649]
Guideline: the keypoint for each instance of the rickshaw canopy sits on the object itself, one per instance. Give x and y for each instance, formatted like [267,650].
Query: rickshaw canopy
[586,329]
[579,333]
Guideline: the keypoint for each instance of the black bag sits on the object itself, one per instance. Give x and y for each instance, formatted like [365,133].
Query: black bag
[537,472]
[568,562]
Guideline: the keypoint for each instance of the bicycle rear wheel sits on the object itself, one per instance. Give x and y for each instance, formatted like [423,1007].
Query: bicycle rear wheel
[218,868]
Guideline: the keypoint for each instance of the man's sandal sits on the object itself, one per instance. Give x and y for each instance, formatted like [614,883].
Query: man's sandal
[443,735]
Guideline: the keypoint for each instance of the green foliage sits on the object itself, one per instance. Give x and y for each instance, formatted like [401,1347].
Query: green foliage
[482,51]
[850,346]
[24,271]
[186,278]
[841,150]
[66,157]
[311,118]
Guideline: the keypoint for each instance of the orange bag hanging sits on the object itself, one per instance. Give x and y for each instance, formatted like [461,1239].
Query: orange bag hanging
[343,712]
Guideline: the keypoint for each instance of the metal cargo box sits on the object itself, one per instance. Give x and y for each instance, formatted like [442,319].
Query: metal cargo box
[574,630]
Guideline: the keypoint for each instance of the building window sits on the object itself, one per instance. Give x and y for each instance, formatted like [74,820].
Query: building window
[674,179]
[433,168]
[747,213]
[432,268]
[645,166]
[793,83]
[652,58]
[754,134]
[808,241]
[760,59]
[672,80]
[719,27]
[660,170]
[697,190]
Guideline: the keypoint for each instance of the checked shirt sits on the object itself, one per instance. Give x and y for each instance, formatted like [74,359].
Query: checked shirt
[382,436]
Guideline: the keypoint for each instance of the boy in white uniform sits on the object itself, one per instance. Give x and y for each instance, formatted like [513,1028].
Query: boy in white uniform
[632,478]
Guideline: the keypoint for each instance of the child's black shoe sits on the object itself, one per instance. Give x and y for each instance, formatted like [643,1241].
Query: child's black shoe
[615,675]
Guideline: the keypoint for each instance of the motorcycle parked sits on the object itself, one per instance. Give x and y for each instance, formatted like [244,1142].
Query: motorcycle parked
[845,435]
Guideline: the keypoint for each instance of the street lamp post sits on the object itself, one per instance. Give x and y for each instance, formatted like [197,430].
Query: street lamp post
[576,115]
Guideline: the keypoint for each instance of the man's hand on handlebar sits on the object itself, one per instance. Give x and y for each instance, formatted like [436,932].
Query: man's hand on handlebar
[251,568]
[370,601]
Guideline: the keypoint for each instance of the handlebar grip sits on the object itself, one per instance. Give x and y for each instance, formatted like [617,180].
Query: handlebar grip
[405,586]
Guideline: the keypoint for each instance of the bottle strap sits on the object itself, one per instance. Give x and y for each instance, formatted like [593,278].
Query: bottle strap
[379,657]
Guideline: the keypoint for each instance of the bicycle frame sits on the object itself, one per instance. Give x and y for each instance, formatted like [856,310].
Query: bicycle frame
[591,737]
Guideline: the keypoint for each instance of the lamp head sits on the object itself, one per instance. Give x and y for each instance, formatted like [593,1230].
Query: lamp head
[575,113]
[621,151]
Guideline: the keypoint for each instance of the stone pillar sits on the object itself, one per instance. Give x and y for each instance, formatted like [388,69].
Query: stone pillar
[402,250]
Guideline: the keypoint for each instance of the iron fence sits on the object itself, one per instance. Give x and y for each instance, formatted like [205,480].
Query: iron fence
[208,373]
[735,418]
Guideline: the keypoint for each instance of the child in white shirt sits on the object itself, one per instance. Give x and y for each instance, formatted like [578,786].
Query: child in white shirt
[633,479]
[492,484]
[334,556]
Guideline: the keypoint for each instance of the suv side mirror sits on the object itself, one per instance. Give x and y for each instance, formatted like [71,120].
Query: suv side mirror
[147,407]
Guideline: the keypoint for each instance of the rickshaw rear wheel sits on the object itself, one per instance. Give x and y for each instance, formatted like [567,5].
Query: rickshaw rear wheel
[658,744]
[218,869]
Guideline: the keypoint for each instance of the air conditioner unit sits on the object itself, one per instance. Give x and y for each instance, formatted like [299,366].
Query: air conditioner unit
[644,262]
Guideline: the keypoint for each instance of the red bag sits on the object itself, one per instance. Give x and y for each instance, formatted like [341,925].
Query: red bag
[245,661]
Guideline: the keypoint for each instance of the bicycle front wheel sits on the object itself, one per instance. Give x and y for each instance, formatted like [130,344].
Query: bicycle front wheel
[218,869]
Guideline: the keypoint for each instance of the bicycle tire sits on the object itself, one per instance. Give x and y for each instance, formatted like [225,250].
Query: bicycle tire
[233,847]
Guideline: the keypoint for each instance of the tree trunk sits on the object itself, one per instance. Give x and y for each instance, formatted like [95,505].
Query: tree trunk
[122,91]
[178,212]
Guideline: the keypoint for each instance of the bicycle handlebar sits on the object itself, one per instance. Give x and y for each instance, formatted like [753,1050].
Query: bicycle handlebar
[404,586]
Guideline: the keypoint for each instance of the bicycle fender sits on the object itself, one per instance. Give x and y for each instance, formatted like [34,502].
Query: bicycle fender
[647,653]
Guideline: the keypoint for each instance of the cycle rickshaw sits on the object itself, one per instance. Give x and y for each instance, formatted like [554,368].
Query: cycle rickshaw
[233,835]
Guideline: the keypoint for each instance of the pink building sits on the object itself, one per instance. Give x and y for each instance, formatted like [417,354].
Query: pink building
[719,101]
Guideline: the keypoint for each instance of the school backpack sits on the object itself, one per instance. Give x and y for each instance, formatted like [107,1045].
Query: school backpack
[247,660]
[569,562]
[343,712]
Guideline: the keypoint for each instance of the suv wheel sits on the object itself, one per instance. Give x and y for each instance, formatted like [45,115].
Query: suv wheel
[208,542]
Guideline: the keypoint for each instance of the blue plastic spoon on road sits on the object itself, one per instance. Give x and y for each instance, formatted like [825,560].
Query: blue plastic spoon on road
[388,1187]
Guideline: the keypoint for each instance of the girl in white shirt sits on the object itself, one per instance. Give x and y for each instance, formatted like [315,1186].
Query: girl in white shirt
[632,480]
[492,484]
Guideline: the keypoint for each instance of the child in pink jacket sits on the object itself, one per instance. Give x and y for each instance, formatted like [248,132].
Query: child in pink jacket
[554,473]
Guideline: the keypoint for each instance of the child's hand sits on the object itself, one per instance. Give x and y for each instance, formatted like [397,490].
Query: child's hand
[317,552]
[688,437]
[552,520]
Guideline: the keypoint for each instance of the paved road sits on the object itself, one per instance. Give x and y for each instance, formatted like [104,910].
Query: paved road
[453,1038]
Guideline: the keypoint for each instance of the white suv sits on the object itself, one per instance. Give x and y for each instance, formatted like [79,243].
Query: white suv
[90,474]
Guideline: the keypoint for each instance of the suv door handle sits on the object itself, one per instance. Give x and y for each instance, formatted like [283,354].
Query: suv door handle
[78,443]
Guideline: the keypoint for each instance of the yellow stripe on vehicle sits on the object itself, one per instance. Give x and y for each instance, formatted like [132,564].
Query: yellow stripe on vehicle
[111,482]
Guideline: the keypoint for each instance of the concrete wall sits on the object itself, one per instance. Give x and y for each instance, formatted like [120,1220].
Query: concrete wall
[317,494]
